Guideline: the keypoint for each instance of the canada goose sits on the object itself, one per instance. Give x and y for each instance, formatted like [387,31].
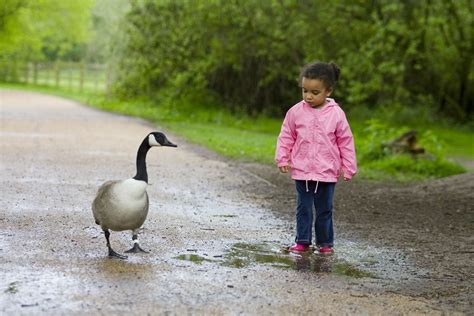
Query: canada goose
[123,204]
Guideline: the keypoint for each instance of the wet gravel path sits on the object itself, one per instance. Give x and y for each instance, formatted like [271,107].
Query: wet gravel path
[216,229]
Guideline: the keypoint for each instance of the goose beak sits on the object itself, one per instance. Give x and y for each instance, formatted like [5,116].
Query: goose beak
[169,144]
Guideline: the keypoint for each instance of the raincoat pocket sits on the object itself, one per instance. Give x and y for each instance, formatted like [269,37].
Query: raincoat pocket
[300,154]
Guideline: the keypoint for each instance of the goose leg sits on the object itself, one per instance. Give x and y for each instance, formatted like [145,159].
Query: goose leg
[112,253]
[136,247]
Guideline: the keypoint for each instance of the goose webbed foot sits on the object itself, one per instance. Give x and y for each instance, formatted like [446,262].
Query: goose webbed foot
[136,249]
[114,255]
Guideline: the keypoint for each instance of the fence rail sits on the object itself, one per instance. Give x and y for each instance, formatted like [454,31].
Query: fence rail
[74,76]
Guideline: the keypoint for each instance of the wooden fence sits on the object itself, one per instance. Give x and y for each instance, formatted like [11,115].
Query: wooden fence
[74,76]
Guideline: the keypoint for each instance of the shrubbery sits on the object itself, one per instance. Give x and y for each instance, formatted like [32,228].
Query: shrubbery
[378,159]
[248,53]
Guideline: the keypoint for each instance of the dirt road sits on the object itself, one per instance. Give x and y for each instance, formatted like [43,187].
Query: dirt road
[216,231]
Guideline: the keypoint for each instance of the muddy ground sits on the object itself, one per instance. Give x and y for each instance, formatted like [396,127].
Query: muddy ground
[216,230]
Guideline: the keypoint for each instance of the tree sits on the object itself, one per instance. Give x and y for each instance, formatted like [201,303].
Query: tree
[28,28]
[106,36]
[248,52]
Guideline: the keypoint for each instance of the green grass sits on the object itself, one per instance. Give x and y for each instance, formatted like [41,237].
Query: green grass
[253,139]
[86,97]
[230,141]
[405,168]
[457,143]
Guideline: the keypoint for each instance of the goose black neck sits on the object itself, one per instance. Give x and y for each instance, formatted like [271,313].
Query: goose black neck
[142,174]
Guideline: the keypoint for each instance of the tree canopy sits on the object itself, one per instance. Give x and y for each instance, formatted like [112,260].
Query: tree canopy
[32,29]
[248,53]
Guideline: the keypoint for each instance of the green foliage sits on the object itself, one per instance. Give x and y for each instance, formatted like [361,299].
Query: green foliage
[404,168]
[253,138]
[248,53]
[35,30]
[244,58]
[29,26]
[378,161]
[105,36]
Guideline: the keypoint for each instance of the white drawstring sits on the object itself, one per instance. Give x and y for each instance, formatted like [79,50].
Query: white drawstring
[307,189]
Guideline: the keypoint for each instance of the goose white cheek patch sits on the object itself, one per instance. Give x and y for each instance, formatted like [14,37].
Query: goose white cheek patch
[152,141]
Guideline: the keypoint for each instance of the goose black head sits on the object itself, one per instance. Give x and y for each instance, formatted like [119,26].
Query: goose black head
[159,139]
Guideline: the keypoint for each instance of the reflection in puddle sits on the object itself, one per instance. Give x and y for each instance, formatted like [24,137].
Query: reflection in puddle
[193,258]
[117,266]
[241,255]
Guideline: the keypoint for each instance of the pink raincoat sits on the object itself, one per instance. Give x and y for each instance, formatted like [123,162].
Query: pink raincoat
[316,143]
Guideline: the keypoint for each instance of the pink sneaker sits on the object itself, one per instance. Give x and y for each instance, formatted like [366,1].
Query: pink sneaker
[298,248]
[326,250]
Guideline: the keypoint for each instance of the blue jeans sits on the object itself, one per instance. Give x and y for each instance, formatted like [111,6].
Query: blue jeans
[322,200]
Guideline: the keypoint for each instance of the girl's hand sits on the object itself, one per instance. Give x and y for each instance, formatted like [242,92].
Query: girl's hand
[345,178]
[284,169]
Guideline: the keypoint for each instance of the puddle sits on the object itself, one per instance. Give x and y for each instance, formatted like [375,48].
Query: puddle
[116,267]
[351,259]
[12,288]
[193,258]
[242,255]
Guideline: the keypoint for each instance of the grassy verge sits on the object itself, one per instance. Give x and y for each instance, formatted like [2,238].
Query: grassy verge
[253,139]
[83,97]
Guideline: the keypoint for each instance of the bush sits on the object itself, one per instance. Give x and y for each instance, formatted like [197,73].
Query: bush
[377,159]
[248,53]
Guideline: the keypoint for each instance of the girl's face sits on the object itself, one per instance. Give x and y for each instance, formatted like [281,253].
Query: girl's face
[314,92]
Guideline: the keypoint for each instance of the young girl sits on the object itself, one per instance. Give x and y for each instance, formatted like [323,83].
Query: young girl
[316,145]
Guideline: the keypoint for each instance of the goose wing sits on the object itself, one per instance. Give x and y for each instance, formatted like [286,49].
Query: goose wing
[102,200]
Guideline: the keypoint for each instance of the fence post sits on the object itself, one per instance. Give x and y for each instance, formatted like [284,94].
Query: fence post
[108,79]
[81,79]
[96,79]
[57,73]
[69,65]
[46,72]
[11,72]
[35,73]
[26,72]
